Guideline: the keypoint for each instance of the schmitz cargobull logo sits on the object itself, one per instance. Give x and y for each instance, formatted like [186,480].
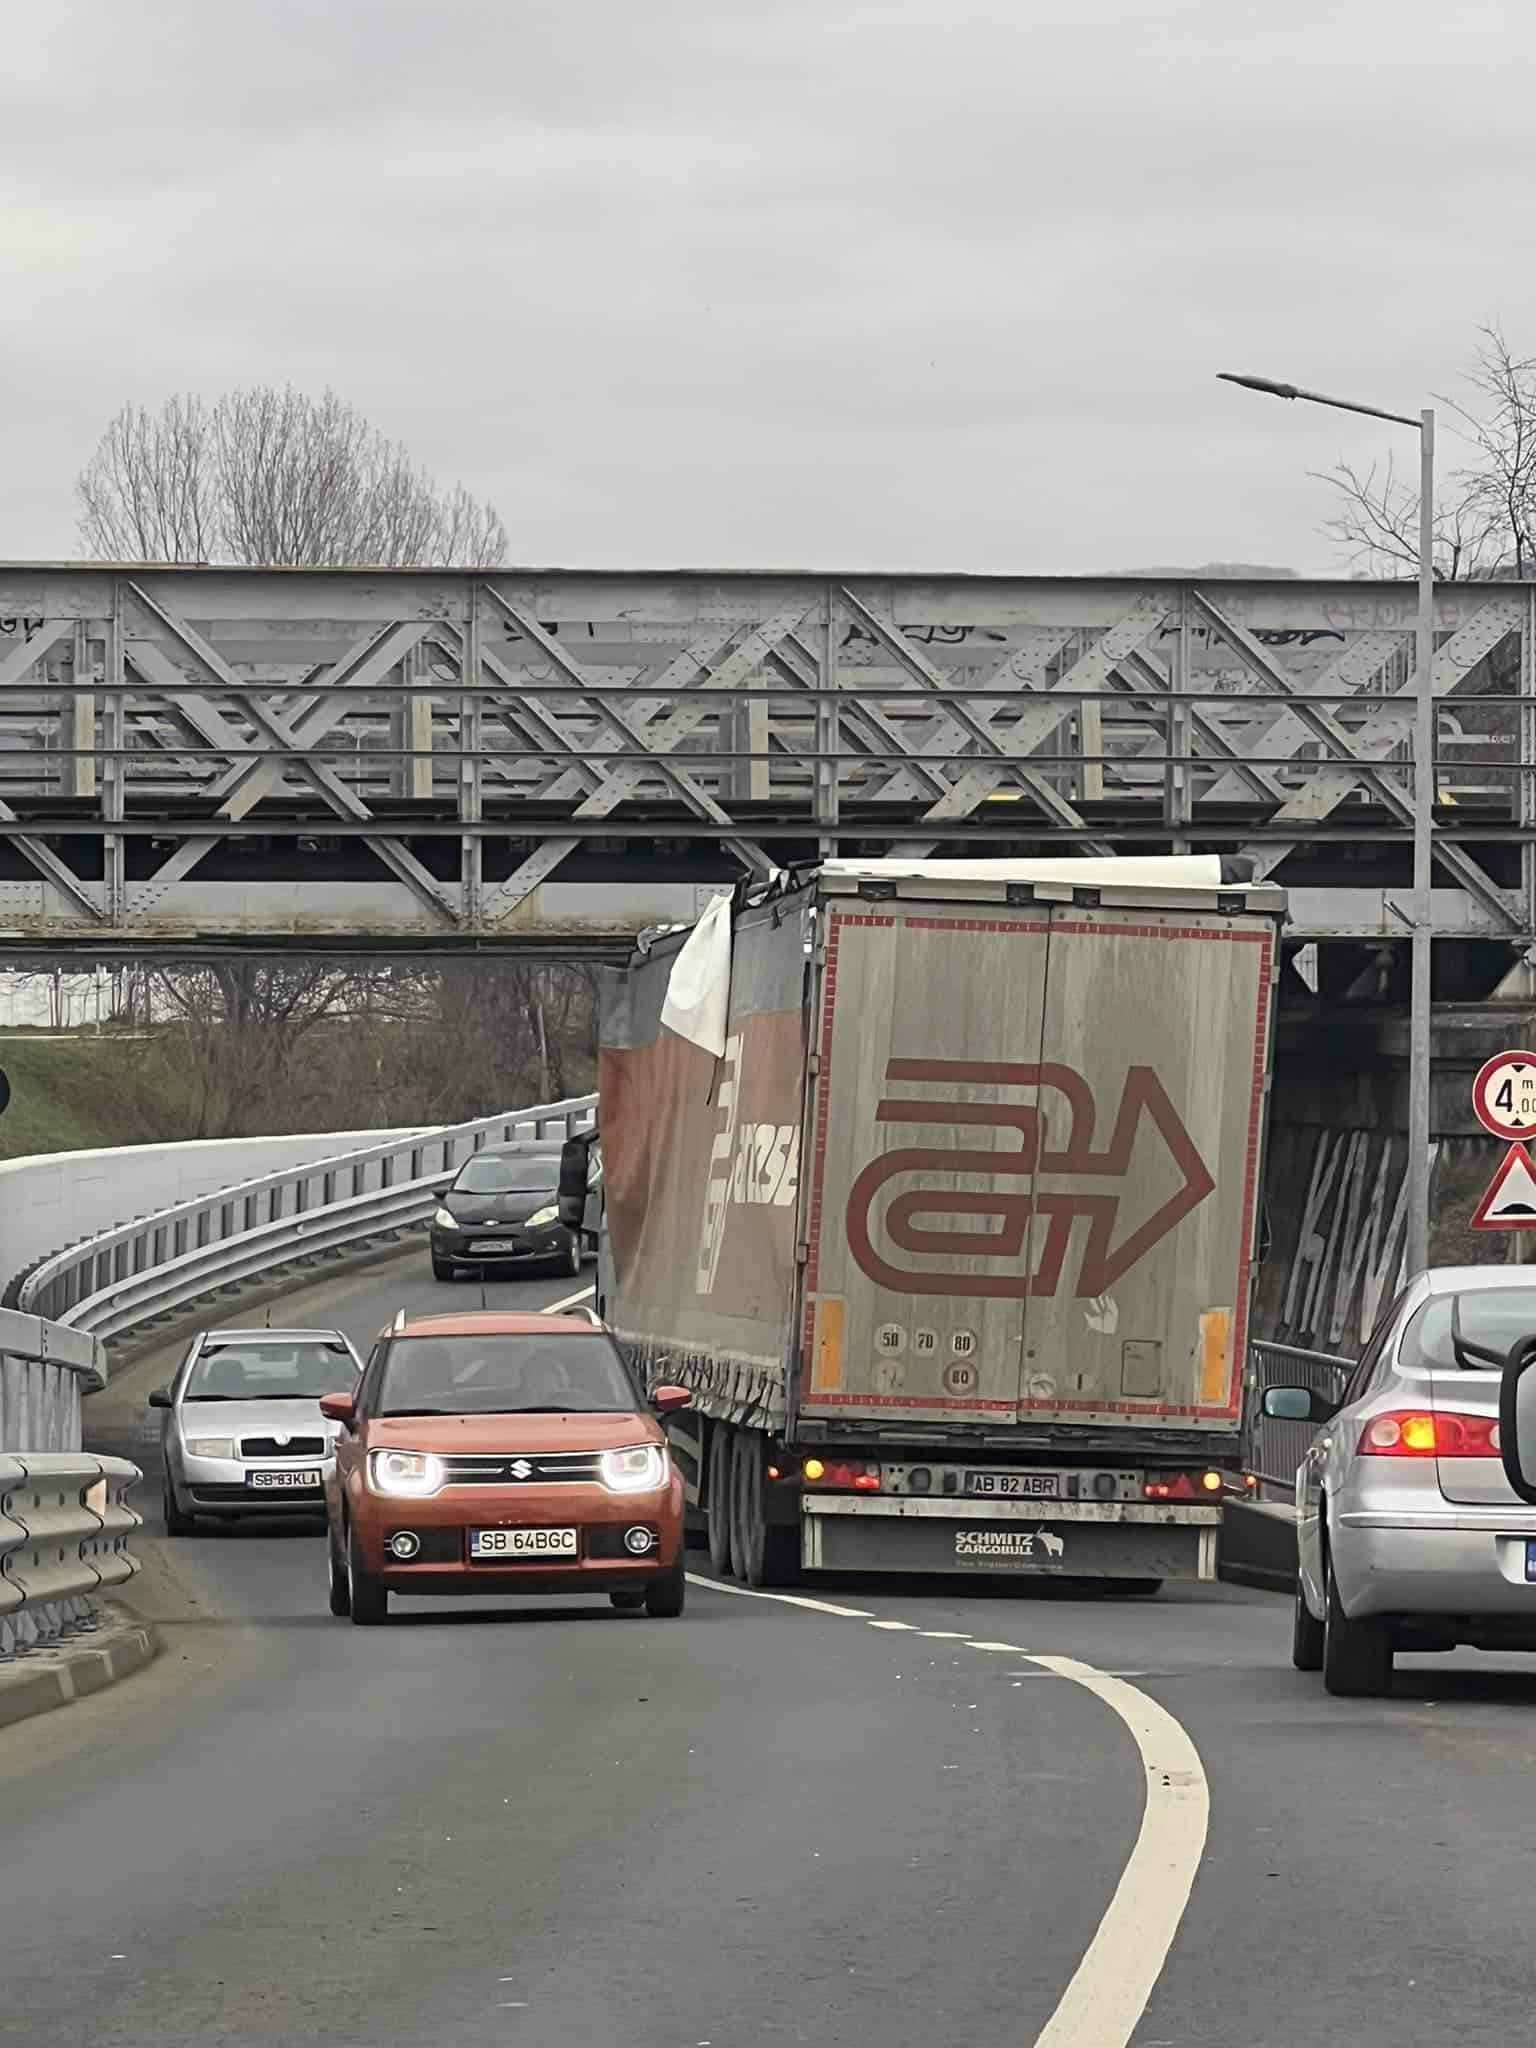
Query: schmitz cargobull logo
[1054,1136]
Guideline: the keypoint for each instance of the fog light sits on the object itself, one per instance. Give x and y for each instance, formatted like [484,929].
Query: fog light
[404,1544]
[638,1541]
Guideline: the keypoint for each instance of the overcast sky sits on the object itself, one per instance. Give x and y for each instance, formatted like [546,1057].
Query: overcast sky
[865,283]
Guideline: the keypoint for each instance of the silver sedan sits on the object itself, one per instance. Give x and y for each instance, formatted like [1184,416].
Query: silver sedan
[242,1432]
[1409,1535]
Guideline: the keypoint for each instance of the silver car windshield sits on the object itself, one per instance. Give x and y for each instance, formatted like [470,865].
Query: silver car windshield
[1471,1332]
[269,1372]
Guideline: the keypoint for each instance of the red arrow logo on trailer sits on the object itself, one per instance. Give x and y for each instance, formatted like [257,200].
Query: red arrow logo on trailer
[1105,1257]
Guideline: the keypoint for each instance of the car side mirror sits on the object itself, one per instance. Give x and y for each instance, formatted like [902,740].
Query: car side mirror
[339,1408]
[1298,1404]
[161,1398]
[1517,1418]
[667,1400]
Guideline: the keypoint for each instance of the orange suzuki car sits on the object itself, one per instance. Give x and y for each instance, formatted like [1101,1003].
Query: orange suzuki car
[499,1453]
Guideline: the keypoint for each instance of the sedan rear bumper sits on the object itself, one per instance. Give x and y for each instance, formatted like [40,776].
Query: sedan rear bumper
[1434,1565]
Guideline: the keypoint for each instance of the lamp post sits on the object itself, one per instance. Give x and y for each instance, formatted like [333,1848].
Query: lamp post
[1423,802]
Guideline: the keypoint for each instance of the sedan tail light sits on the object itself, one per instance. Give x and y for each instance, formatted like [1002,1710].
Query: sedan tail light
[1446,1433]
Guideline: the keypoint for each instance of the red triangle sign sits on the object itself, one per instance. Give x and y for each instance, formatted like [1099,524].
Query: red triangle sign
[1510,1203]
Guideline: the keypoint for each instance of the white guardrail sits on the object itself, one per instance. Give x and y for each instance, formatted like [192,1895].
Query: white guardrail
[113,1283]
[64,1514]
[64,1528]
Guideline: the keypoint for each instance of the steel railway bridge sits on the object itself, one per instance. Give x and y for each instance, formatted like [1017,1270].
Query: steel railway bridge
[550,760]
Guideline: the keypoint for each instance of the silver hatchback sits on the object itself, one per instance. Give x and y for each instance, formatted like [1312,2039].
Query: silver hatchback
[242,1432]
[1409,1535]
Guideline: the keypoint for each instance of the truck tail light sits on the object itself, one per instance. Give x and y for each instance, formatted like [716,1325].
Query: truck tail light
[1205,1485]
[841,1476]
[1446,1433]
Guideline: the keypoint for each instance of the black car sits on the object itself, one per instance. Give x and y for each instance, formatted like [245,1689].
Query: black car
[502,1210]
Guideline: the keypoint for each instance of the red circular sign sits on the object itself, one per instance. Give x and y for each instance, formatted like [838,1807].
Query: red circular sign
[1504,1095]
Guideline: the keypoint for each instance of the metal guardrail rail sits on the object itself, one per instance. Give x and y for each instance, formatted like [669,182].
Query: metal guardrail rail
[44,1371]
[64,1528]
[115,1282]
[1276,1448]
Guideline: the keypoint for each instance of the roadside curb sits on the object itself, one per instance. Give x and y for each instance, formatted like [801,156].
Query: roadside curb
[56,1677]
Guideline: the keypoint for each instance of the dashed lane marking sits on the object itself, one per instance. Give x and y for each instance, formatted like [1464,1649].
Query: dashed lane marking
[1103,2004]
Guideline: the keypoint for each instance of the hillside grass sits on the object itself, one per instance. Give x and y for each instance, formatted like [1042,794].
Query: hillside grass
[69,1094]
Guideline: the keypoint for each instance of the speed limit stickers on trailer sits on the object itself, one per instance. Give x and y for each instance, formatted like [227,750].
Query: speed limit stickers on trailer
[1504,1095]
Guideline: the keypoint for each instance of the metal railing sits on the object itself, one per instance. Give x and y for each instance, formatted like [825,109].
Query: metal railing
[121,1279]
[1275,1448]
[44,1370]
[64,1528]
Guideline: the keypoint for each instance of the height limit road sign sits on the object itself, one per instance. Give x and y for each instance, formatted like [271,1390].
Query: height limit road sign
[1504,1096]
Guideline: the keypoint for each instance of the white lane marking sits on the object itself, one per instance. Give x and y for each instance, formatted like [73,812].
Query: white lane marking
[1109,1991]
[553,1308]
[907,1625]
[947,1635]
[1103,2004]
[786,1599]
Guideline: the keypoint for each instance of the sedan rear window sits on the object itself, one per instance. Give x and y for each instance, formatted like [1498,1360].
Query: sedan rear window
[1473,1331]
[510,1375]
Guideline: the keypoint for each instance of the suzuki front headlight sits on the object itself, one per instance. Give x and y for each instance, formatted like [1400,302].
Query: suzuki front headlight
[639,1469]
[408,1474]
[444,1219]
[549,1215]
[211,1447]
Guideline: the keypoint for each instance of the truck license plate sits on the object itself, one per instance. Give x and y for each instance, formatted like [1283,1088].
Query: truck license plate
[1012,1485]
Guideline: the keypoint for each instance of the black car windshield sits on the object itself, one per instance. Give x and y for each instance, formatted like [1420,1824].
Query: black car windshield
[509,1173]
[508,1375]
[1473,1331]
[252,1371]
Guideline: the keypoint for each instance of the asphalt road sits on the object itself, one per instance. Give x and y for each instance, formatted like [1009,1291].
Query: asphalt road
[764,1823]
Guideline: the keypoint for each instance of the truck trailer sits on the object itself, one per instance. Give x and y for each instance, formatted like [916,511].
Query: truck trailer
[945,1212]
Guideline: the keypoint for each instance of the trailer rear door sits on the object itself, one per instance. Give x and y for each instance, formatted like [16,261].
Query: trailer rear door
[921,1164]
[1033,1164]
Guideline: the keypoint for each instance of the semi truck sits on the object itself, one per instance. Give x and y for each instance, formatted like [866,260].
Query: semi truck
[940,1193]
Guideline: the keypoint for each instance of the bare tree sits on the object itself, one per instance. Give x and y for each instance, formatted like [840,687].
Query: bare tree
[276,478]
[1485,520]
[230,1033]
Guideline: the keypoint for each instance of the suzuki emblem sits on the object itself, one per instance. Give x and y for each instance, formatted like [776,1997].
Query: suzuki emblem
[520,1469]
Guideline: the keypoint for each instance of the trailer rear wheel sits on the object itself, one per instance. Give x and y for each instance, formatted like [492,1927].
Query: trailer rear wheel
[718,1494]
[765,1555]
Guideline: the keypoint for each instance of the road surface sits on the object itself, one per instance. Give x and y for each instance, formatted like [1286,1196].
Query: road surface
[765,1823]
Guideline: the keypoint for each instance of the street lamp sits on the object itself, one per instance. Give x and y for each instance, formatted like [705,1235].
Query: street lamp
[1423,802]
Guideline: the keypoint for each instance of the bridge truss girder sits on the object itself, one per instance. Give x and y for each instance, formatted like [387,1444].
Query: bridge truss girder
[493,757]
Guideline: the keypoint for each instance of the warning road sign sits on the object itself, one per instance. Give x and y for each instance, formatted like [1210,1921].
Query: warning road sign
[1504,1095]
[1510,1203]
